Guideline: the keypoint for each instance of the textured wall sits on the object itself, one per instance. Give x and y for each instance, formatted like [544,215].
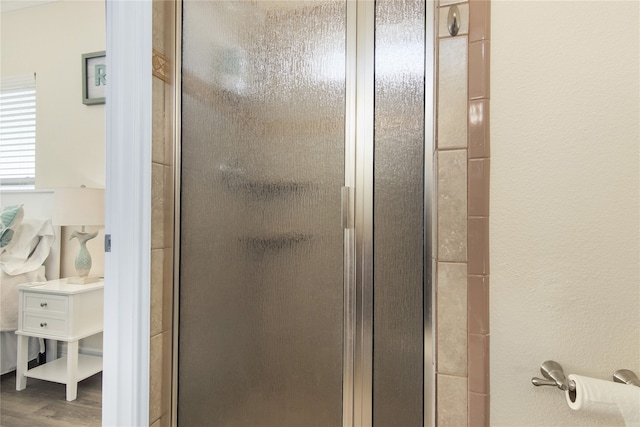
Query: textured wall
[565,189]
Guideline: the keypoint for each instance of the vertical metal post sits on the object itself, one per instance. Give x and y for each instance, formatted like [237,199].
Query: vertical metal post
[177,169]
[363,366]
[429,216]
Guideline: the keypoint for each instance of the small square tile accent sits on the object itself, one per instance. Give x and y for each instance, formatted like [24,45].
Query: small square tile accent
[479,129]
[479,363]
[478,251]
[160,66]
[478,304]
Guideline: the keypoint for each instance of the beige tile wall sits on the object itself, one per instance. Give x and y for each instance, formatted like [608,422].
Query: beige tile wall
[462,248]
[161,216]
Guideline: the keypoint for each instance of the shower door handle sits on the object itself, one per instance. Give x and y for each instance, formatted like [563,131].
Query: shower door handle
[345,202]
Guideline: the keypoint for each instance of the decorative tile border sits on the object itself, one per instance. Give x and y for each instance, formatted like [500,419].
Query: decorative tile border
[478,337]
[463,56]
[161,219]
[161,68]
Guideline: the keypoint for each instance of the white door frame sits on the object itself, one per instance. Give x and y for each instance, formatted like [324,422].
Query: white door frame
[125,397]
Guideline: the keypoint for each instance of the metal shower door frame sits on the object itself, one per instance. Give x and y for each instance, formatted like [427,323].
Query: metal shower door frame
[358,305]
[359,178]
[358,203]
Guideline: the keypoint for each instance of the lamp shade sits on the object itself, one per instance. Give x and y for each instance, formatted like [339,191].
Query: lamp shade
[78,206]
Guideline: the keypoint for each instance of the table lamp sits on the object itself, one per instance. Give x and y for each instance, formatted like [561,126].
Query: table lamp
[80,207]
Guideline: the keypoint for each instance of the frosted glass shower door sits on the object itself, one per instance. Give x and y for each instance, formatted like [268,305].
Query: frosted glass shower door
[261,269]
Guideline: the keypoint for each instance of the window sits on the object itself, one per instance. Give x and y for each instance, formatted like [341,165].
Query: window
[18,131]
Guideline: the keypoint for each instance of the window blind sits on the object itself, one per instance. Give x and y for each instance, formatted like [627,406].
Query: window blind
[17,130]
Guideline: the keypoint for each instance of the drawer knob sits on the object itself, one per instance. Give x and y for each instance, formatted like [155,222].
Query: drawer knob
[43,304]
[43,324]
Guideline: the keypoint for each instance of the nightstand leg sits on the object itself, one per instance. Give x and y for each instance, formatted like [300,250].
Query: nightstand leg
[72,370]
[21,362]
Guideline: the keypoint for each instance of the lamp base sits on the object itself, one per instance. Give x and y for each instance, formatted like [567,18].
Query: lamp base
[83,280]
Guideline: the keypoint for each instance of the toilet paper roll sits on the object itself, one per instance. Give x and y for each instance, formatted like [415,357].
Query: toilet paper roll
[605,397]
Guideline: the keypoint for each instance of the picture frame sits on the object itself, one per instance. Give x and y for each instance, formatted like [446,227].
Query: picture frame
[94,77]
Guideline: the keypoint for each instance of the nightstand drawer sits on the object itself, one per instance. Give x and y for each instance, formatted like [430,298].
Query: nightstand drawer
[44,325]
[45,303]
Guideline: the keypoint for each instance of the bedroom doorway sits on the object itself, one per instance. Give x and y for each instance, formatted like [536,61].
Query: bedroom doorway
[304,296]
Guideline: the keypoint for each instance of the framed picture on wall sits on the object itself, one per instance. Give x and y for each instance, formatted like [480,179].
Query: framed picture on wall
[94,77]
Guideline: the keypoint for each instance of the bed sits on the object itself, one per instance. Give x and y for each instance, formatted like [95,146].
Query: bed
[29,252]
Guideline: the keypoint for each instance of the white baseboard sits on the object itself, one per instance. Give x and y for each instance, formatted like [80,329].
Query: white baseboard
[62,350]
[89,350]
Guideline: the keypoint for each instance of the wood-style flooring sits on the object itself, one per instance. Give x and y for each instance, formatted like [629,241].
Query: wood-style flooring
[44,404]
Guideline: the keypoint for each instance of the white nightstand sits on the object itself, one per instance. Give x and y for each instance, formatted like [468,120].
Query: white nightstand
[59,311]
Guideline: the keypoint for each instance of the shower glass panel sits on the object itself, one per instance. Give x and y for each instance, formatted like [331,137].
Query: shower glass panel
[261,252]
[399,129]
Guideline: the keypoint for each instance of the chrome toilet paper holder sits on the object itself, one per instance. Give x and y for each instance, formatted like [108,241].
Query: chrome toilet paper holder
[625,376]
[554,376]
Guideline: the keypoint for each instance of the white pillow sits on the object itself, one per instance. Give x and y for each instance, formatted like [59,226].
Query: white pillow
[31,246]
[10,218]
